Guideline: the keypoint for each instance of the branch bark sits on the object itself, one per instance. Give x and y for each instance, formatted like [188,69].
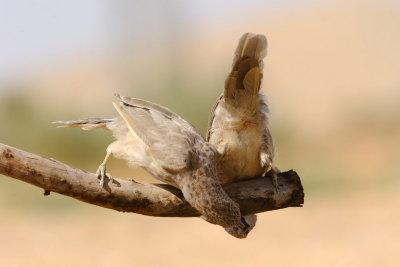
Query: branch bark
[253,195]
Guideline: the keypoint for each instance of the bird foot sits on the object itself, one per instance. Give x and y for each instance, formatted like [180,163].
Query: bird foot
[272,171]
[275,183]
[102,174]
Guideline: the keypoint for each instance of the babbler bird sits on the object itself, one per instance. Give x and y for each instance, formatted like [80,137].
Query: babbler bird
[238,124]
[171,149]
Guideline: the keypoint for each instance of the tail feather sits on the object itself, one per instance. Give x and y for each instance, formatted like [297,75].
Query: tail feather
[85,124]
[251,45]
[247,65]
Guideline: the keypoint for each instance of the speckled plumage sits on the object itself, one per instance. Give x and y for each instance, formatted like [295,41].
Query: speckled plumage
[238,124]
[171,149]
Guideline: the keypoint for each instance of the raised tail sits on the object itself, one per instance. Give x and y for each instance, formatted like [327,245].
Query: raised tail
[85,124]
[247,65]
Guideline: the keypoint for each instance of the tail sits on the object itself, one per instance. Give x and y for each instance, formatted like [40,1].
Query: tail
[85,124]
[247,65]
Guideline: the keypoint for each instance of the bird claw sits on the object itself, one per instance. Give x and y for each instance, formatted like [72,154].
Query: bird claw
[102,174]
[273,171]
[275,183]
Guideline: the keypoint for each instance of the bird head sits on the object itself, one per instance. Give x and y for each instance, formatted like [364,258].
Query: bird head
[248,223]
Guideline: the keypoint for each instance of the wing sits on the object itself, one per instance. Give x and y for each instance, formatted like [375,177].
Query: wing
[139,103]
[211,118]
[268,144]
[169,138]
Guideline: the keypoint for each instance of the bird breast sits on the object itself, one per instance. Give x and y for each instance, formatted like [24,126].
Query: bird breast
[238,138]
[241,154]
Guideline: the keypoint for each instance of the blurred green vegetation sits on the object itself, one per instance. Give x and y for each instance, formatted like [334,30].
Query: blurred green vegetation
[193,105]
[27,125]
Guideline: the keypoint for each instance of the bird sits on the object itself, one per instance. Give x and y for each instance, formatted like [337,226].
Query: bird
[238,123]
[170,149]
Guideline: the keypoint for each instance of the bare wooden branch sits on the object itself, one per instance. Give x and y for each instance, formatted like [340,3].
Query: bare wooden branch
[253,195]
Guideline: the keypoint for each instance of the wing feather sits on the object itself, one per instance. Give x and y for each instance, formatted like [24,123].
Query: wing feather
[212,116]
[169,138]
[140,103]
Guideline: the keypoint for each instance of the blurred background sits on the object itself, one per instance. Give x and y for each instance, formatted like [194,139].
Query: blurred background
[332,78]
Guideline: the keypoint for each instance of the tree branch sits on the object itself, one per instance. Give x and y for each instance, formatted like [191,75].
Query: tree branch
[253,195]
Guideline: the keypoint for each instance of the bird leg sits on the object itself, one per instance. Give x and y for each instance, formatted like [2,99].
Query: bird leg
[274,173]
[102,172]
[270,169]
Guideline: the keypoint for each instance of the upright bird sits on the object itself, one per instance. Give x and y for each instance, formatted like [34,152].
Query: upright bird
[171,149]
[238,124]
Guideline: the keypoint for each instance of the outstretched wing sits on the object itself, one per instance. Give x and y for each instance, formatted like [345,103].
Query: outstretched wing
[169,138]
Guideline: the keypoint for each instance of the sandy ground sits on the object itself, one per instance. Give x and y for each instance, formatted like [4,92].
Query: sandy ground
[360,229]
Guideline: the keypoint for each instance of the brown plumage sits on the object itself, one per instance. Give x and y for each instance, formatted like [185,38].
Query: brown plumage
[171,149]
[238,124]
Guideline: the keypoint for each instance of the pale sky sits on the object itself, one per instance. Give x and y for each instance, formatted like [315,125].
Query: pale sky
[34,32]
